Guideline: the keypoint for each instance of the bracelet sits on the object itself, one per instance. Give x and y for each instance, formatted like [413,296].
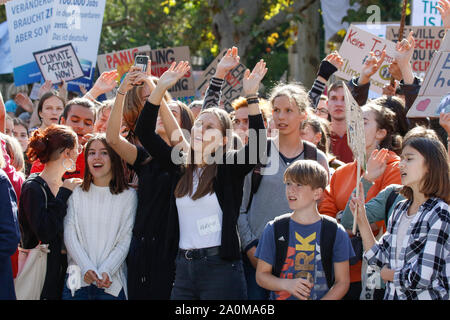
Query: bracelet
[89,96]
[252,101]
[250,96]
[121,93]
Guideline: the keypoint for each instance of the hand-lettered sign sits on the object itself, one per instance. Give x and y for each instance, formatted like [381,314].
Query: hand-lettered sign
[435,86]
[428,40]
[355,50]
[425,13]
[232,87]
[59,63]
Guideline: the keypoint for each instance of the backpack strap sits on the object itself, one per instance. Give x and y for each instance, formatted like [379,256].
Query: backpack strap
[309,151]
[281,237]
[327,238]
[389,202]
[257,177]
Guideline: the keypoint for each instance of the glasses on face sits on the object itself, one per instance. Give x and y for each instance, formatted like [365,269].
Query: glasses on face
[322,111]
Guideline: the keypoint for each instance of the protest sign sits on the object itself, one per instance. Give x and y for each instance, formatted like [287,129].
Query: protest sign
[232,86]
[79,22]
[428,40]
[424,13]
[184,89]
[355,136]
[29,25]
[355,50]
[435,86]
[60,63]
[41,24]
[119,60]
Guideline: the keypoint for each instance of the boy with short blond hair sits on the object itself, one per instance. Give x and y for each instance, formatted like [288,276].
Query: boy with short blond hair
[304,255]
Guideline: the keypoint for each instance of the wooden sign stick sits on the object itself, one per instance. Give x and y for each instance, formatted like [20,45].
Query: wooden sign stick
[358,177]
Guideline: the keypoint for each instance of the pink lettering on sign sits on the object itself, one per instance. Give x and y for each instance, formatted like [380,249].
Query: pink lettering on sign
[355,41]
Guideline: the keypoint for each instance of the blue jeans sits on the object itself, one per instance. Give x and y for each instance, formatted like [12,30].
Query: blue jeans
[208,278]
[254,291]
[90,293]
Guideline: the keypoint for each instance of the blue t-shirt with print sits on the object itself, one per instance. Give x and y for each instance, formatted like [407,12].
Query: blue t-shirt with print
[303,255]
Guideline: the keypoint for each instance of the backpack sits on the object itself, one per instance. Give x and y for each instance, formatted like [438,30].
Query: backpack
[310,153]
[327,238]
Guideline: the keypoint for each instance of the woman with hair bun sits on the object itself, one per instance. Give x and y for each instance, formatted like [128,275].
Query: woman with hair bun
[42,205]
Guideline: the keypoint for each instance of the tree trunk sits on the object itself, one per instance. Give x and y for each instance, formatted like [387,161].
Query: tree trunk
[304,56]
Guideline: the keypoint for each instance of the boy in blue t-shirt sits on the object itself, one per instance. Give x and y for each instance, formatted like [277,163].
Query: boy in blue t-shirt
[302,275]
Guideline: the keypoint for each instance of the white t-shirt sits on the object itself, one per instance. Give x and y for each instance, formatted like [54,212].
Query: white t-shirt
[403,226]
[200,220]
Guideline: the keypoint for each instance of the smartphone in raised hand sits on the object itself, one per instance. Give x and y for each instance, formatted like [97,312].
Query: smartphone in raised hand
[141,62]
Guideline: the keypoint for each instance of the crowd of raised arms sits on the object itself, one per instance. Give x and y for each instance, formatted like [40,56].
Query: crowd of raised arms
[143,197]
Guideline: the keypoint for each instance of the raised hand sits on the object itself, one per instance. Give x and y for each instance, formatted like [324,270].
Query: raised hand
[105,83]
[23,100]
[395,71]
[130,78]
[82,89]
[404,50]
[46,87]
[444,9]
[371,66]
[376,164]
[252,80]
[335,59]
[229,61]
[173,74]
[389,90]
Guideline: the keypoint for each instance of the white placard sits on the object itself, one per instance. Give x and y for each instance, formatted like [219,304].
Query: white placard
[59,63]
[355,50]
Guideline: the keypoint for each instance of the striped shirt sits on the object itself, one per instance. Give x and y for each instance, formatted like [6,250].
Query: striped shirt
[423,269]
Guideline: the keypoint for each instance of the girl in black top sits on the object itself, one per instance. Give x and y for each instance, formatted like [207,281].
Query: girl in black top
[42,205]
[208,171]
[153,247]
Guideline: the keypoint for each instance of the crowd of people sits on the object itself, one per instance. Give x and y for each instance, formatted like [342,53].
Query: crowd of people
[143,197]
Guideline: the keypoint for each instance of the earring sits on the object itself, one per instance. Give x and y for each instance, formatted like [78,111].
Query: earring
[72,164]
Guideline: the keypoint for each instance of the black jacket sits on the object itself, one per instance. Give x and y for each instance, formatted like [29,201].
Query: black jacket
[9,236]
[45,222]
[229,181]
[154,245]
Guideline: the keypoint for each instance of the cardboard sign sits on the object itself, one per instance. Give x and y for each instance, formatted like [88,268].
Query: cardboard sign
[184,89]
[355,136]
[355,127]
[232,87]
[428,40]
[119,60]
[355,50]
[60,63]
[424,13]
[436,85]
